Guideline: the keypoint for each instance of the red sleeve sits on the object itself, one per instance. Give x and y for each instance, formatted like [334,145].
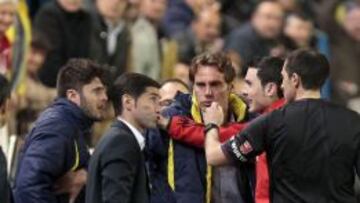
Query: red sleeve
[184,129]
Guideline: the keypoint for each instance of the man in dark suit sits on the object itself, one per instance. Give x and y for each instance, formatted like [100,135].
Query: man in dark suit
[117,170]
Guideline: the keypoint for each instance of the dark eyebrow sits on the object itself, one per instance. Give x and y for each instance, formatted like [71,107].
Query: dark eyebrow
[99,88]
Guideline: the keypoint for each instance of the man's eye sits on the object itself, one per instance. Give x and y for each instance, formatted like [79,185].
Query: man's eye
[167,102]
[200,85]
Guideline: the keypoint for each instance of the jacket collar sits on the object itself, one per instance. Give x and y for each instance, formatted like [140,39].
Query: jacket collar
[73,113]
[275,105]
[236,106]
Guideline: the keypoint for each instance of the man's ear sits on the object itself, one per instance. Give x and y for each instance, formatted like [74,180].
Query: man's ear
[128,102]
[3,109]
[295,80]
[74,96]
[270,89]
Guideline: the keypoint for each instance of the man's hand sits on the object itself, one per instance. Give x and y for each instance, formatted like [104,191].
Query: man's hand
[213,114]
[71,183]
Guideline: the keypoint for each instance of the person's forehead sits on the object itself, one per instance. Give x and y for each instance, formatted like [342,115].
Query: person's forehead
[298,21]
[251,73]
[208,73]
[269,7]
[152,91]
[95,82]
[8,6]
[172,87]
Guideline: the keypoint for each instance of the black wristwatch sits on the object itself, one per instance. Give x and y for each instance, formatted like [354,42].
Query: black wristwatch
[210,126]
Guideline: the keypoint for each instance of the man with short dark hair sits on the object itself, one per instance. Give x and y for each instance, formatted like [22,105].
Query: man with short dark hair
[4,184]
[312,145]
[53,162]
[117,171]
[66,25]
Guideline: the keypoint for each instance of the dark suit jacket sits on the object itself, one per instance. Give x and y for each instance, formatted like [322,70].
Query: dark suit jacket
[98,46]
[117,169]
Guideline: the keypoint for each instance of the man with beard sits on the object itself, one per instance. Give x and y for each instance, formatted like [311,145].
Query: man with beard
[54,158]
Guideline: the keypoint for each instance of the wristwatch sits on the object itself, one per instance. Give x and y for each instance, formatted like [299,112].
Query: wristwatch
[210,126]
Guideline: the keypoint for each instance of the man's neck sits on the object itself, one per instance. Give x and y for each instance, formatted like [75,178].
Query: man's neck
[227,114]
[132,122]
[307,94]
[112,22]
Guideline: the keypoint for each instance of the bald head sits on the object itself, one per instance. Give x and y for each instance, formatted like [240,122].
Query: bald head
[268,18]
[169,89]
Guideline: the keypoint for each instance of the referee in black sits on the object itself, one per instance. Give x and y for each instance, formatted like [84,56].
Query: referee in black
[313,146]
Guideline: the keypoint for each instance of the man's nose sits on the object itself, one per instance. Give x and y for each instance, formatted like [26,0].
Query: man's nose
[208,91]
[105,97]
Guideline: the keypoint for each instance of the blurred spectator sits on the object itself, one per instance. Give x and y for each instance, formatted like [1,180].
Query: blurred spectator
[110,40]
[181,13]
[5,192]
[149,47]
[290,6]
[203,35]
[256,38]
[35,5]
[7,18]
[300,32]
[239,10]
[37,96]
[342,22]
[66,26]
[132,11]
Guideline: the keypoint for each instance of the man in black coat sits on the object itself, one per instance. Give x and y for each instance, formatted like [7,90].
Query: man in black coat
[67,28]
[110,36]
[117,170]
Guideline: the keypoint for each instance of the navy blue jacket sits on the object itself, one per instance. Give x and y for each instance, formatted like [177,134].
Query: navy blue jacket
[189,164]
[53,147]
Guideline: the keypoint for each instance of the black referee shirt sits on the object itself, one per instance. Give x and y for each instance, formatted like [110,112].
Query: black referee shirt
[312,148]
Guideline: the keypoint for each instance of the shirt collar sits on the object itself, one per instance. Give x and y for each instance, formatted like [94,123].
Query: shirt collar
[275,105]
[139,137]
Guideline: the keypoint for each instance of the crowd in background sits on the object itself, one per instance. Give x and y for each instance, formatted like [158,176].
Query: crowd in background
[159,38]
